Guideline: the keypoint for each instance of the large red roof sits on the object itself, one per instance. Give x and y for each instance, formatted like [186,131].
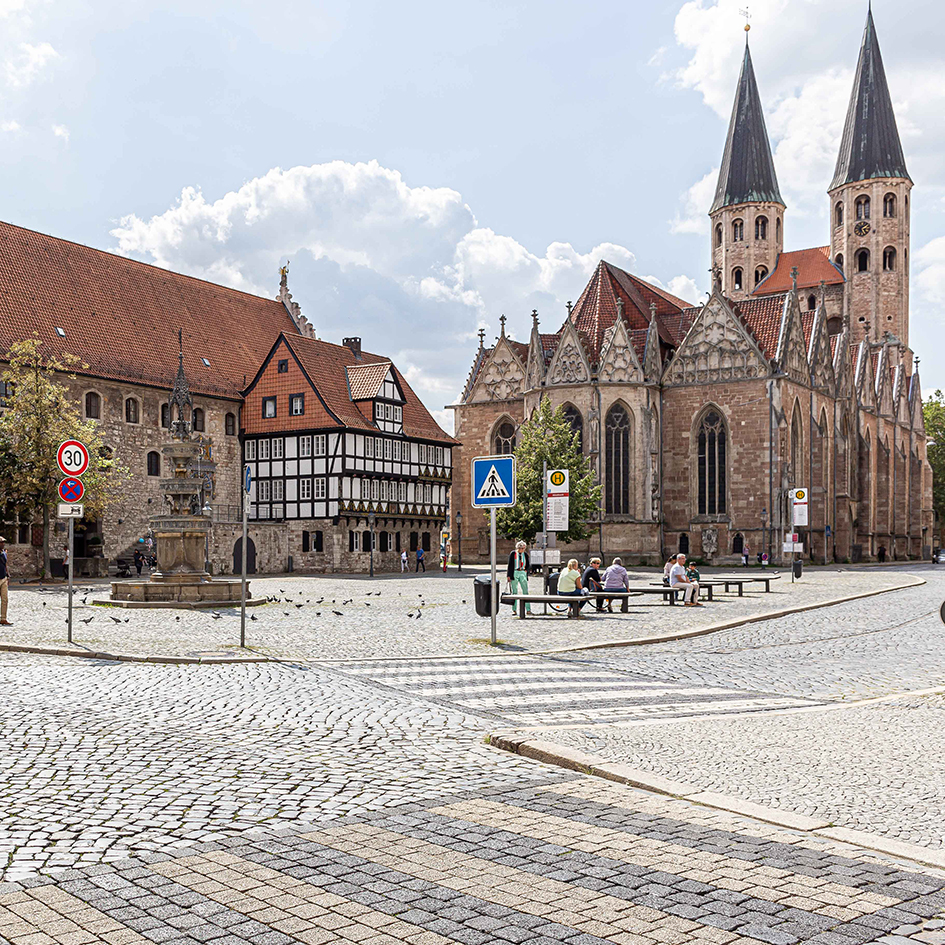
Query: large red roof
[813,266]
[763,318]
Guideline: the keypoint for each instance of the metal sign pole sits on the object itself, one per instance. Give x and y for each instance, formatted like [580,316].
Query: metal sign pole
[494,585]
[544,530]
[71,573]
[243,563]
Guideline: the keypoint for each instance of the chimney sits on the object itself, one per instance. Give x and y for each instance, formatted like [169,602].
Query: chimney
[354,344]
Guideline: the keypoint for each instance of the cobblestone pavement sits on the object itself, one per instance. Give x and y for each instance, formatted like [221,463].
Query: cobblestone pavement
[578,862]
[99,758]
[874,767]
[328,617]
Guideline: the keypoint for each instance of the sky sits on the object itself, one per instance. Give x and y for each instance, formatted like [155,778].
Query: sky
[426,167]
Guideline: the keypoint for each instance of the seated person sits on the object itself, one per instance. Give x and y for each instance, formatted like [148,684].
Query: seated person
[615,579]
[591,580]
[667,568]
[569,583]
[678,579]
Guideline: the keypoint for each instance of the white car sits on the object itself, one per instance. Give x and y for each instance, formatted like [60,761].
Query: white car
[939,557]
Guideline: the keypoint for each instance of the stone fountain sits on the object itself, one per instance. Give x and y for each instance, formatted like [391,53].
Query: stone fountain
[180,530]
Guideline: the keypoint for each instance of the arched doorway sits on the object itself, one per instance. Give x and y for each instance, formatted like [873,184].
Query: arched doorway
[250,556]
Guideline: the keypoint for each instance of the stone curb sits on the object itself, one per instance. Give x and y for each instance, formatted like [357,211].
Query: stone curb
[132,657]
[574,760]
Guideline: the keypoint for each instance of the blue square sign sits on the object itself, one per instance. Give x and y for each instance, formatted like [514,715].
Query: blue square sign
[493,482]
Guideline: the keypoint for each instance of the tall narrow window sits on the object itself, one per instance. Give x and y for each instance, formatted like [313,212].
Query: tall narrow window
[617,464]
[718,235]
[711,464]
[229,424]
[761,273]
[165,416]
[503,442]
[738,231]
[737,280]
[838,214]
[862,208]
[797,440]
[131,410]
[573,416]
[889,205]
[154,463]
[93,405]
[199,420]
[889,259]
[811,303]
[761,228]
[862,260]
[777,231]
[839,261]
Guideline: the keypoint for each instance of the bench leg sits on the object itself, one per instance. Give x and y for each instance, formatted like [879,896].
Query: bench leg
[741,590]
[710,589]
[521,610]
[576,609]
[625,605]
[670,596]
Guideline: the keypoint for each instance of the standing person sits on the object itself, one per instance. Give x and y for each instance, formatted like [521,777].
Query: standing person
[420,562]
[517,572]
[881,554]
[569,584]
[745,555]
[615,579]
[65,562]
[403,561]
[4,584]
[138,560]
[678,578]
[592,581]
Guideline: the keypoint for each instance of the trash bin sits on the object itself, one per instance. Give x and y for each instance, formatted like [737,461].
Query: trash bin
[551,585]
[481,586]
[798,568]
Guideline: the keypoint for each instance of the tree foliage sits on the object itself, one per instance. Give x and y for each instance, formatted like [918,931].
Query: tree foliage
[933,412]
[40,414]
[548,437]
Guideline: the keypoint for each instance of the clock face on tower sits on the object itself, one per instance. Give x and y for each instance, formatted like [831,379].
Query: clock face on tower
[862,228]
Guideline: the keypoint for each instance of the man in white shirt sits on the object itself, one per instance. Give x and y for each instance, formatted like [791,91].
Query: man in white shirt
[677,578]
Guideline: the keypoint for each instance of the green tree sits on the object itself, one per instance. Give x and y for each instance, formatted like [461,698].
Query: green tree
[933,412]
[548,437]
[40,414]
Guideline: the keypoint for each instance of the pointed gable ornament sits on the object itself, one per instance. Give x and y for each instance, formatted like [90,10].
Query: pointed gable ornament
[180,397]
[569,364]
[619,363]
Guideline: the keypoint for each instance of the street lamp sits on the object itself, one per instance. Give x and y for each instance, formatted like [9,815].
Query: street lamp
[764,522]
[370,519]
[207,511]
[459,540]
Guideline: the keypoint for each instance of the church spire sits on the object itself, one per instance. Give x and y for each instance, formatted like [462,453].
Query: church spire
[870,146]
[747,173]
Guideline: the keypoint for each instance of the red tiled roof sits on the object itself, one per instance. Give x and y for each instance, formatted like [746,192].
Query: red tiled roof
[813,265]
[364,380]
[326,365]
[678,325]
[121,316]
[763,318]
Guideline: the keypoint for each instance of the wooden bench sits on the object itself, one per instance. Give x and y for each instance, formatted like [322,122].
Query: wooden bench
[574,602]
[763,579]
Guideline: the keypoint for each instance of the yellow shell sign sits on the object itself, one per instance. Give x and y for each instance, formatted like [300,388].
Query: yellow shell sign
[557,478]
[800,495]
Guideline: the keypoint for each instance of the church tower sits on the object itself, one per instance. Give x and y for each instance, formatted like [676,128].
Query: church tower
[869,205]
[748,212]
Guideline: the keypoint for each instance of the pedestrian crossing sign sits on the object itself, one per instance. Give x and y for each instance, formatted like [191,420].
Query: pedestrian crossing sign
[493,479]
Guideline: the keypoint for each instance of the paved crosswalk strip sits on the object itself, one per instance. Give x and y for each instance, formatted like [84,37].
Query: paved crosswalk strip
[536,690]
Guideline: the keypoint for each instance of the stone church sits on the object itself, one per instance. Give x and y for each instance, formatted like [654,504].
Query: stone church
[795,372]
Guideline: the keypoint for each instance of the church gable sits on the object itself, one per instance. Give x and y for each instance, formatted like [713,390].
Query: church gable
[821,365]
[619,363]
[792,349]
[716,348]
[502,376]
[569,364]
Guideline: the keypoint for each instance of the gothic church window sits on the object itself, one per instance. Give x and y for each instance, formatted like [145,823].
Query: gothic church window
[761,273]
[712,464]
[503,442]
[862,208]
[889,259]
[737,280]
[889,205]
[761,228]
[797,438]
[93,405]
[573,416]
[617,462]
[738,231]
[839,214]
[862,259]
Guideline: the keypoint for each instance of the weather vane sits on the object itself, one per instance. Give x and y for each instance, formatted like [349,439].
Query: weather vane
[747,16]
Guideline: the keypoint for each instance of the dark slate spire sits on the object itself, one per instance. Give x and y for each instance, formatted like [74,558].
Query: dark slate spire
[870,145]
[747,173]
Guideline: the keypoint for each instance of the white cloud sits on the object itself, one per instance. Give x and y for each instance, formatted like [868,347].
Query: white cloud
[684,288]
[693,217]
[61,131]
[408,268]
[28,63]
[10,126]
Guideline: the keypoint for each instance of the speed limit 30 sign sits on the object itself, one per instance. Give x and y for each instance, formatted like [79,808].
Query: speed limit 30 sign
[73,458]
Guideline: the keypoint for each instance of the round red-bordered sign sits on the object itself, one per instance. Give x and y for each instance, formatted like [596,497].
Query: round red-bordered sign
[73,458]
[71,490]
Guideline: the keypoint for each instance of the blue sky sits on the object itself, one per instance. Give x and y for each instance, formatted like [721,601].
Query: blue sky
[427,167]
